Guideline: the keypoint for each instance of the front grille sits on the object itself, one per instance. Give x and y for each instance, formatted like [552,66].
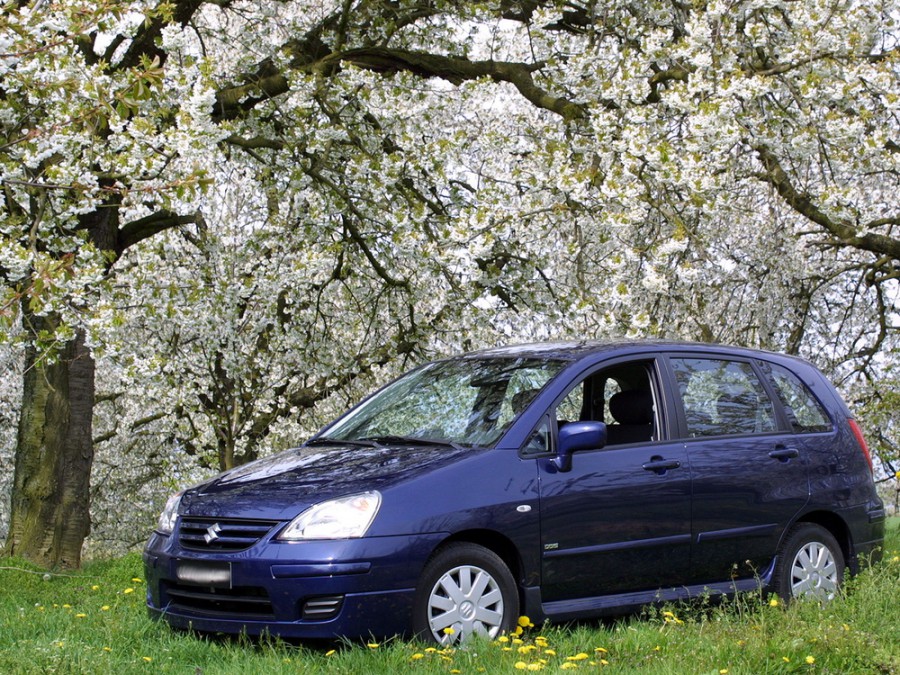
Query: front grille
[247,602]
[217,534]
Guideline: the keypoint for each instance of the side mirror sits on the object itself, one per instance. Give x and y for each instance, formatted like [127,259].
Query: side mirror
[576,436]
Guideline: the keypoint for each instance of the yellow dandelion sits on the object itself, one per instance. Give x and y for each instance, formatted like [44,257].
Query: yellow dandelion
[430,650]
[148,659]
[604,662]
[107,649]
[541,641]
[105,608]
[785,659]
[66,606]
[95,587]
[550,652]
[136,580]
[331,652]
[449,631]
[521,665]
[454,671]
[810,660]
[373,645]
[128,590]
[525,622]
[723,671]
[773,602]
[670,617]
[535,666]
[502,639]
[80,616]
[581,656]
[518,641]
[600,650]
[524,649]
[417,656]
[568,665]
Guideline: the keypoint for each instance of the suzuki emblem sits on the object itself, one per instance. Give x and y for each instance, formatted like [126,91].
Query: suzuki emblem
[212,533]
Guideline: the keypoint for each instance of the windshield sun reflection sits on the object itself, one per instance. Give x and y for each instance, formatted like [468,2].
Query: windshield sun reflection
[463,402]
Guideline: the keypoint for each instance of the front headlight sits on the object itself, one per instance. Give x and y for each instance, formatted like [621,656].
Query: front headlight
[167,518]
[343,518]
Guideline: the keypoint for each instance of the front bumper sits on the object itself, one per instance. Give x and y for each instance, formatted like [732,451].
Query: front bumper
[318,589]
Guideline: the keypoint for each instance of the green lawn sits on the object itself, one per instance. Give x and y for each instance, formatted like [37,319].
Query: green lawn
[94,621]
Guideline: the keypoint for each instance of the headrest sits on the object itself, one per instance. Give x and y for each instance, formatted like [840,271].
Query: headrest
[634,406]
[733,407]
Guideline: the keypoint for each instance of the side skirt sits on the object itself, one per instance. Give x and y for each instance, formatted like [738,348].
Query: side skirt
[623,603]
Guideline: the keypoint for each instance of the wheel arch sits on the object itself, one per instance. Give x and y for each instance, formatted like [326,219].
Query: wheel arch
[838,529]
[493,541]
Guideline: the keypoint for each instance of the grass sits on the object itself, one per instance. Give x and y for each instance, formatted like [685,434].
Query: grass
[94,621]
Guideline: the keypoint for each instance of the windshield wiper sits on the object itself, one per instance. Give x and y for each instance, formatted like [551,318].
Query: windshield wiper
[361,442]
[411,440]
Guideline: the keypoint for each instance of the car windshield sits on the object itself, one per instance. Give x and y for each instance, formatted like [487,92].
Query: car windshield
[465,401]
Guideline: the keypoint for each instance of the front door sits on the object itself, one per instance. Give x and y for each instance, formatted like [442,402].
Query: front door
[619,520]
[615,524]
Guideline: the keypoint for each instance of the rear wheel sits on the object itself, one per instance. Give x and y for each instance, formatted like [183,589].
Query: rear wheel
[465,590]
[810,564]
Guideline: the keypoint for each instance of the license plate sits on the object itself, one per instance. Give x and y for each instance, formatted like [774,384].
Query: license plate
[216,574]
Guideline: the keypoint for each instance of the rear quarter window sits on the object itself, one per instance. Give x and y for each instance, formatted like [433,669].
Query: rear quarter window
[803,410]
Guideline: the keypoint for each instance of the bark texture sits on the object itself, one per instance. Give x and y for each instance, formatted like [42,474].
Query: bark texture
[51,500]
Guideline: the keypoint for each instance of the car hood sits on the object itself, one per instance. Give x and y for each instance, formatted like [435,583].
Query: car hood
[281,486]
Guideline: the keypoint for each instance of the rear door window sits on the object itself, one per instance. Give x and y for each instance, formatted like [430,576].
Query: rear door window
[722,398]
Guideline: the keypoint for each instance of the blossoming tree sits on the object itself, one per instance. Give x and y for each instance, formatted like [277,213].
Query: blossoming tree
[412,171]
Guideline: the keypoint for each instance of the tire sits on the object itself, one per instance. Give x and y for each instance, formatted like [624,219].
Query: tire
[810,565]
[464,590]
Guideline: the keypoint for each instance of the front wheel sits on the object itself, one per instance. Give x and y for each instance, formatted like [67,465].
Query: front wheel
[810,564]
[465,590]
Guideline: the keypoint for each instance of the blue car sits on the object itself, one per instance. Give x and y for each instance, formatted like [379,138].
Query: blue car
[560,481]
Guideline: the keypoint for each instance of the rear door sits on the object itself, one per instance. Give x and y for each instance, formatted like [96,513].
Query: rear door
[749,474]
[619,520]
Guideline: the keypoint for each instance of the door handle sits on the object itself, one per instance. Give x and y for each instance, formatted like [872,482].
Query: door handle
[784,455]
[659,465]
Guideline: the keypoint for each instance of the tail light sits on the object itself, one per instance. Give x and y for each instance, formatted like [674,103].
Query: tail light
[857,432]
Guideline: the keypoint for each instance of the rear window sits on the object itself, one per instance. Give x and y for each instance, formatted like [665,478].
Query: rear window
[803,410]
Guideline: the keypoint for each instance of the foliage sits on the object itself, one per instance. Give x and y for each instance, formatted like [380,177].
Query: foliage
[95,621]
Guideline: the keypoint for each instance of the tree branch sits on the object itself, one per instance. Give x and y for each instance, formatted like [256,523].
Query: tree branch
[267,83]
[144,228]
[844,232]
[146,41]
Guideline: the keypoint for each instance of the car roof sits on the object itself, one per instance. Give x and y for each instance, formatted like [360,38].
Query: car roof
[573,350]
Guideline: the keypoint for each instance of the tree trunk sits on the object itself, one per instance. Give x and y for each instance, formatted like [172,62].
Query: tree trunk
[50,516]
